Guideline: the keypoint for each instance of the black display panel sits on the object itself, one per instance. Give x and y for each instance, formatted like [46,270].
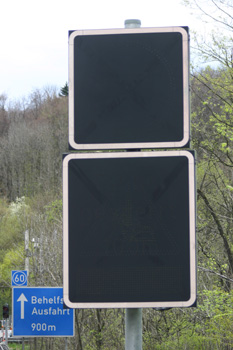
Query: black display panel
[129,229]
[129,88]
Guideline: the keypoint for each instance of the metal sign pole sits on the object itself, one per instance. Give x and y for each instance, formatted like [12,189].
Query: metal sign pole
[133,317]
[6,331]
[133,329]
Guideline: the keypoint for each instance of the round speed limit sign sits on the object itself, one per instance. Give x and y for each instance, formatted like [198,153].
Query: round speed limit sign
[19,278]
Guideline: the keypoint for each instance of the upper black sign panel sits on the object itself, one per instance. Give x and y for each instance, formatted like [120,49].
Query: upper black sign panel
[128,88]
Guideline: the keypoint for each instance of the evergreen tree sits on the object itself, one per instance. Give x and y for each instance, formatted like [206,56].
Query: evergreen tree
[64,90]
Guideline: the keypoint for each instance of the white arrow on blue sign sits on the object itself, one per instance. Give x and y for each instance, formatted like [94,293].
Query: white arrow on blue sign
[39,312]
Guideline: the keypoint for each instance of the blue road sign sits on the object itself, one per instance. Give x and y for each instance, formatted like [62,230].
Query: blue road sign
[39,312]
[19,278]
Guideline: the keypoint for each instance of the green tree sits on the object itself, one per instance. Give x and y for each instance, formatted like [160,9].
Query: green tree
[13,260]
[64,90]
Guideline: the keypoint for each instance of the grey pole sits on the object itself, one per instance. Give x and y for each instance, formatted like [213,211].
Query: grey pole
[6,331]
[27,254]
[133,317]
[66,343]
[133,329]
[132,23]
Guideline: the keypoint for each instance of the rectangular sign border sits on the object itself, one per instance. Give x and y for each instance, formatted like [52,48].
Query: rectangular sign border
[39,336]
[186,102]
[192,228]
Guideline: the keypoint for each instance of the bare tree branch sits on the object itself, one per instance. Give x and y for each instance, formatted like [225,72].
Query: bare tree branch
[220,228]
[216,273]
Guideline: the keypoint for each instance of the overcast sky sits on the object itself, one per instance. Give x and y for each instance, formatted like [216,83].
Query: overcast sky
[34,35]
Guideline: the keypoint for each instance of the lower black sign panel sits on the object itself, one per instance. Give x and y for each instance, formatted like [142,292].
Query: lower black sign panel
[129,229]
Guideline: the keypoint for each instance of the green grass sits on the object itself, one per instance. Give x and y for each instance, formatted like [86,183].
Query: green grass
[18,346]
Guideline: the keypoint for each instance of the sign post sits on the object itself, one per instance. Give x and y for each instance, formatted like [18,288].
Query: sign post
[133,329]
[129,217]
[38,312]
[5,317]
